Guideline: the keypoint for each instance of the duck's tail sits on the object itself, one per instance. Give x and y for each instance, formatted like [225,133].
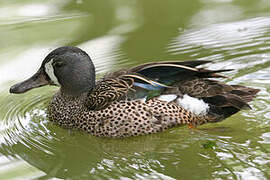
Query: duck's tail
[224,105]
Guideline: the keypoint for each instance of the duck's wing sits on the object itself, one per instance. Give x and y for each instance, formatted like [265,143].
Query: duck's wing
[188,79]
[125,86]
[223,99]
[167,72]
[174,71]
[178,78]
[147,80]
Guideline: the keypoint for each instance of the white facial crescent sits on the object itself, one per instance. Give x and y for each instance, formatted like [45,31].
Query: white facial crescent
[50,72]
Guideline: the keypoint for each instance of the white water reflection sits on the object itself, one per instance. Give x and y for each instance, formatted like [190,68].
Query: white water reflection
[23,65]
[224,36]
[8,169]
[220,13]
[265,138]
[104,51]
[36,9]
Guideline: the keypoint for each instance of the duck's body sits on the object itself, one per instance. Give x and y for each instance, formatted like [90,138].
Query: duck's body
[120,118]
[145,99]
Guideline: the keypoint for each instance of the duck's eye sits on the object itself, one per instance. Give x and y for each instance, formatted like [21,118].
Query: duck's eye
[58,64]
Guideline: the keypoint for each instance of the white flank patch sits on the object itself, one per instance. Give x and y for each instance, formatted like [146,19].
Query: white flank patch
[168,97]
[143,100]
[50,71]
[194,105]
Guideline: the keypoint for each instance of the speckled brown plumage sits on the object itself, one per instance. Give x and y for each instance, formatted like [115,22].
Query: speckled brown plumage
[120,118]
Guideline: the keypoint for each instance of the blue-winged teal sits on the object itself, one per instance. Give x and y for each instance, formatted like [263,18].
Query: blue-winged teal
[141,100]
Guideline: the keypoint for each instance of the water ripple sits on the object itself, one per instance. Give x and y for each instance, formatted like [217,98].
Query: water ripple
[224,41]
[21,118]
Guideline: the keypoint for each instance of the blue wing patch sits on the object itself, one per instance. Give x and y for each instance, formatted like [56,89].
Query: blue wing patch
[148,86]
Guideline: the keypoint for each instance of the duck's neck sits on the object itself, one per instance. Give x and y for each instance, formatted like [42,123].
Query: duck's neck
[72,97]
[77,89]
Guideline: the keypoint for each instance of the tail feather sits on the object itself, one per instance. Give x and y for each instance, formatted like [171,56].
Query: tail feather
[246,93]
[204,73]
[223,106]
[226,100]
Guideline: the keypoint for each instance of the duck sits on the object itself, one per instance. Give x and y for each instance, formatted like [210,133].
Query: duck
[140,100]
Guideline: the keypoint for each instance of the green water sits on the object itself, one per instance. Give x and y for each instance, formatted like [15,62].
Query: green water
[234,34]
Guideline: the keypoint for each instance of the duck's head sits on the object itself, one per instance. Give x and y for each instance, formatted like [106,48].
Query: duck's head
[68,67]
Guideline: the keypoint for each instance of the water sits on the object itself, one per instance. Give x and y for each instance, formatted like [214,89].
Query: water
[117,34]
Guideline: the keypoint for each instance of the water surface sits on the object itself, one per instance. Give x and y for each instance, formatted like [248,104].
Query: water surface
[233,34]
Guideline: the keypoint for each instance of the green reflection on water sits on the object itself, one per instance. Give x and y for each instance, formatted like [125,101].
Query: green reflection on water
[119,33]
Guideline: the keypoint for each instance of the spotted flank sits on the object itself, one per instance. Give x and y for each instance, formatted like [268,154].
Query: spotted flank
[141,100]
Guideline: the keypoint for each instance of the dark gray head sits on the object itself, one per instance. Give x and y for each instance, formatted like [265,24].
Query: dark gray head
[68,67]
